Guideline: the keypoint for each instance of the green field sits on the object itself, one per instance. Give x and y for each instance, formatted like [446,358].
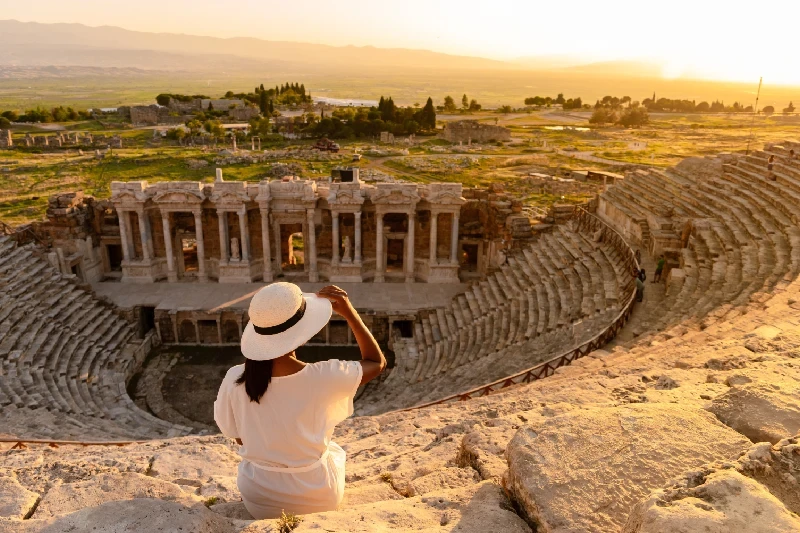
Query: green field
[29,175]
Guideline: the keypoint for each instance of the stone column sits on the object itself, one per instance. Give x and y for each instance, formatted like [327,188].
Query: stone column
[201,249]
[171,274]
[245,235]
[276,228]
[434,235]
[224,241]
[336,239]
[412,217]
[265,245]
[124,231]
[454,240]
[143,235]
[357,244]
[312,251]
[379,259]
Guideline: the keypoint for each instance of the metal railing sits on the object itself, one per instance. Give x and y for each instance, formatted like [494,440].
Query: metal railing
[587,222]
[22,443]
[21,234]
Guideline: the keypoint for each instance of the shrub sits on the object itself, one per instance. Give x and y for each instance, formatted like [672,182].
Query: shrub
[288,522]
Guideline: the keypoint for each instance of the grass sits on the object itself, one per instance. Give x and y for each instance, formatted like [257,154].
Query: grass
[210,501]
[288,522]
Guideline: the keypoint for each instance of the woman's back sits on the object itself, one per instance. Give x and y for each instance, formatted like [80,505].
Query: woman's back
[292,424]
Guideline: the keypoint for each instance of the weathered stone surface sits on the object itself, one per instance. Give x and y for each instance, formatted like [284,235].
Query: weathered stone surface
[192,464]
[221,487]
[762,411]
[131,516]
[724,502]
[584,470]
[777,468]
[15,500]
[235,510]
[69,497]
[480,508]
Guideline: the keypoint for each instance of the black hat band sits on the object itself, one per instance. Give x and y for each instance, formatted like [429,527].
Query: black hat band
[280,328]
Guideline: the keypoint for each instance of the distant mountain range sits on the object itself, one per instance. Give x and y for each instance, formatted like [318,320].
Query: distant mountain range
[33,44]
[36,44]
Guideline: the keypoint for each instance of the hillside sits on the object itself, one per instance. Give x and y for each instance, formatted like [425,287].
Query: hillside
[36,44]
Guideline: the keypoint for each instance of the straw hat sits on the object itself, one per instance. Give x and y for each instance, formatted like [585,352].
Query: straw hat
[281,319]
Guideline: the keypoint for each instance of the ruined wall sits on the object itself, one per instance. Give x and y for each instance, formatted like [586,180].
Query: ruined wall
[466,131]
[243,114]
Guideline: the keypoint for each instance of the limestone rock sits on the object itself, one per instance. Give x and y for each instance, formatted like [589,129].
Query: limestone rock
[370,493]
[16,501]
[725,502]
[235,510]
[223,488]
[777,467]
[444,478]
[70,497]
[481,508]
[761,411]
[584,470]
[192,464]
[130,516]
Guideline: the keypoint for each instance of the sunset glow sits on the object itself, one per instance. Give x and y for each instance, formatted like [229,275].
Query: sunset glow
[710,40]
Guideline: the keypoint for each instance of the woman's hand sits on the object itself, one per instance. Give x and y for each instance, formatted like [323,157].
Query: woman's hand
[338,298]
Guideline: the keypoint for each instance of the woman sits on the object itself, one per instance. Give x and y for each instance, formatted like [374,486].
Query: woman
[283,411]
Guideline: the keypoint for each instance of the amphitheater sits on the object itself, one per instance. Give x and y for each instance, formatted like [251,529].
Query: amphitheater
[528,389]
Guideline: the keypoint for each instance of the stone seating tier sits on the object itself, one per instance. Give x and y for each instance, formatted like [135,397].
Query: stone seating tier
[66,353]
[552,296]
[745,238]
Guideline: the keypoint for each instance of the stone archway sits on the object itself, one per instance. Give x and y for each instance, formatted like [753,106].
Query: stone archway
[187,332]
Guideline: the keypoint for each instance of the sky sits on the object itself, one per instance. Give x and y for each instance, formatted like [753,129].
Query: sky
[715,39]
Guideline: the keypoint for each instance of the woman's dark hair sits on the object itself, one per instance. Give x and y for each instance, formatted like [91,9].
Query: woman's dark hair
[256,377]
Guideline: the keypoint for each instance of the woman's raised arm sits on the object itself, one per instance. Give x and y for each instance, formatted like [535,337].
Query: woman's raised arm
[372,360]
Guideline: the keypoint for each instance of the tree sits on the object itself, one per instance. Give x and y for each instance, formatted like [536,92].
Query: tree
[214,127]
[560,98]
[263,104]
[634,117]
[625,100]
[10,115]
[449,104]
[464,102]
[210,106]
[194,126]
[603,116]
[260,126]
[262,87]
[177,134]
[506,109]
[474,105]
[768,110]
[702,107]
[4,123]
[163,99]
[428,115]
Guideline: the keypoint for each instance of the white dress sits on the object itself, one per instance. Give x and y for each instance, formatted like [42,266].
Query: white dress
[288,459]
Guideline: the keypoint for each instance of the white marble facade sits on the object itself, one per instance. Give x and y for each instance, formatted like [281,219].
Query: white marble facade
[271,211]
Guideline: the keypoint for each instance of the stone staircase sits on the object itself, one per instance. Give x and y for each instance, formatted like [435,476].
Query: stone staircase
[65,357]
[551,297]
